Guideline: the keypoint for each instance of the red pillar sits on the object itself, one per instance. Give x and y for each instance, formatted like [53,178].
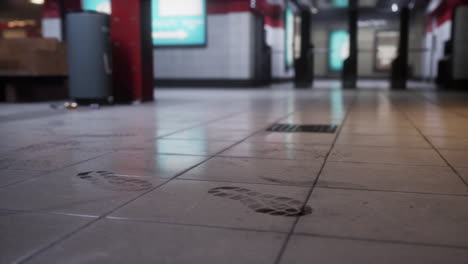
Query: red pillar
[132,50]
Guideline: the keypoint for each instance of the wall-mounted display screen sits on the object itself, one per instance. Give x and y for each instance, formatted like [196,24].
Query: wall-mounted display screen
[339,49]
[289,35]
[174,22]
[386,43]
[340,3]
[179,22]
[103,6]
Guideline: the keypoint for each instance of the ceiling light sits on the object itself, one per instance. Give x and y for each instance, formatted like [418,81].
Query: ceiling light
[36,2]
[394,7]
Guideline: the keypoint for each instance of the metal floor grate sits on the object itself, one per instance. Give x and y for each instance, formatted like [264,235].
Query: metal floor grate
[303,128]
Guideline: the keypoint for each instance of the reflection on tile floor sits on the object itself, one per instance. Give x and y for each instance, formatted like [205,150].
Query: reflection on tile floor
[267,150]
[195,178]
[250,170]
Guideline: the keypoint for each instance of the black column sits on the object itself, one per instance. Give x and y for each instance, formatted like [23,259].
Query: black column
[63,14]
[400,64]
[303,66]
[349,75]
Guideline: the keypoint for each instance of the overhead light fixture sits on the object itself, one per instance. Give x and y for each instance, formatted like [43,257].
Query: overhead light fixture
[36,2]
[314,10]
[394,7]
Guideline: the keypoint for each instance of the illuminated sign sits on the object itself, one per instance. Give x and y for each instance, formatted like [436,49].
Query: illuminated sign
[340,3]
[174,22]
[386,49]
[289,48]
[339,49]
[103,6]
[179,22]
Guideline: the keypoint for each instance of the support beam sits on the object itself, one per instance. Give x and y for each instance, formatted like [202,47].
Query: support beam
[303,66]
[400,65]
[351,63]
[132,50]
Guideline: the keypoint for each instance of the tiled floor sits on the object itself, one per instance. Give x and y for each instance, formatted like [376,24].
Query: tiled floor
[195,178]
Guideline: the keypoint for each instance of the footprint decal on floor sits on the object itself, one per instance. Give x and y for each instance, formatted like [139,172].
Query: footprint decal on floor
[116,182]
[263,203]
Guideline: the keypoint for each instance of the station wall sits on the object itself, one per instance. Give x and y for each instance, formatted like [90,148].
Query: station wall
[438,27]
[227,54]
[230,48]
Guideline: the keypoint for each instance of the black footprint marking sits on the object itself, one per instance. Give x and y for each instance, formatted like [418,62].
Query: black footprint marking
[263,203]
[110,180]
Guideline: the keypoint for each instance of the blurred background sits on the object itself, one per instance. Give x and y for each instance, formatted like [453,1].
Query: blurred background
[239,43]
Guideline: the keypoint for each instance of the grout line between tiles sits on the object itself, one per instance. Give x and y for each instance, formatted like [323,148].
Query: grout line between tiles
[398,242]
[391,191]
[201,124]
[125,219]
[380,147]
[159,153]
[434,148]
[52,171]
[293,227]
[335,161]
[46,213]
[40,249]
[379,163]
[267,158]
[245,182]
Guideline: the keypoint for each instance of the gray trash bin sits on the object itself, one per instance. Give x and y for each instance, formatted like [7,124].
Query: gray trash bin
[89,56]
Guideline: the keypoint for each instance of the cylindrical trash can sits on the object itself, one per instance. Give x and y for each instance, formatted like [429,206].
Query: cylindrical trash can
[89,56]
